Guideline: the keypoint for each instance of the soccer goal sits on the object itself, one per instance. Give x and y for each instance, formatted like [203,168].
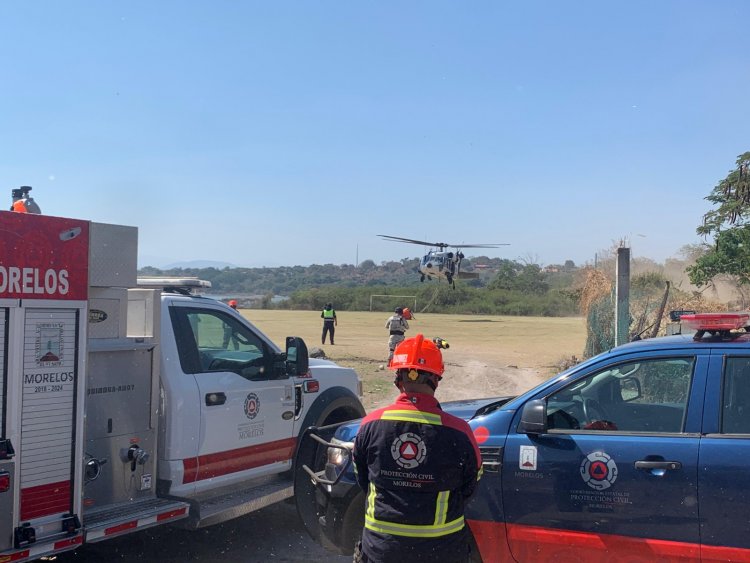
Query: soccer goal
[384,302]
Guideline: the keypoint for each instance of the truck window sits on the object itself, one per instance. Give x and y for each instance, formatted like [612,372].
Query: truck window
[213,341]
[637,396]
[736,397]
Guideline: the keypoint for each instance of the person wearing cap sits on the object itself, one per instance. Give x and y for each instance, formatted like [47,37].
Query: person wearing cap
[418,467]
[329,322]
[229,330]
[397,326]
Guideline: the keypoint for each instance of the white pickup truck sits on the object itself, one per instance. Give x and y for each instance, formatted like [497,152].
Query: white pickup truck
[132,403]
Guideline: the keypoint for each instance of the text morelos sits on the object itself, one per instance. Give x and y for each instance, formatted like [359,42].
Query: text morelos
[33,281]
[59,377]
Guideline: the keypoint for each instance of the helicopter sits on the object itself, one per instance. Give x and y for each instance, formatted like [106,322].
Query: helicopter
[442,263]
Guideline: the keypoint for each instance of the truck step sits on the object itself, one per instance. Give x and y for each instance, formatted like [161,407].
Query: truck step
[123,518]
[238,502]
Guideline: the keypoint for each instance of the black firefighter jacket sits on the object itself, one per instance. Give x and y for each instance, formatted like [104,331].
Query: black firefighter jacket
[418,467]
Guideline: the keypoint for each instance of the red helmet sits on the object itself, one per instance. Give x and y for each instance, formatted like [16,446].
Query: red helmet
[407,314]
[232,303]
[418,353]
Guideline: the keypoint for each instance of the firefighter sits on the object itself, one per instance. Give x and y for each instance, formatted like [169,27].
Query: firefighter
[330,322]
[229,334]
[396,325]
[23,202]
[418,467]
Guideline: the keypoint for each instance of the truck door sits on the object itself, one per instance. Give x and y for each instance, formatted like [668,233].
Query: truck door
[614,474]
[724,491]
[246,398]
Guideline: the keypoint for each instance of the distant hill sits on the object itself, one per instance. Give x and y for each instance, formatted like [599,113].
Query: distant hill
[197,264]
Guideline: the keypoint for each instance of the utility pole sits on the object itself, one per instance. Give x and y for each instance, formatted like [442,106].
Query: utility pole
[622,290]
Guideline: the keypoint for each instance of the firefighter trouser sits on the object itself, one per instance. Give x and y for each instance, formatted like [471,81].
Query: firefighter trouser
[360,557]
[328,328]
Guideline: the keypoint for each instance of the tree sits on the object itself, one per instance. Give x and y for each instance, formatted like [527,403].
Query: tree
[729,224]
[515,276]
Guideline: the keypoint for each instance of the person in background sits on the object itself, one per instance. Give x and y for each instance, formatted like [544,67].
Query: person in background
[23,202]
[329,322]
[418,467]
[396,325]
[229,331]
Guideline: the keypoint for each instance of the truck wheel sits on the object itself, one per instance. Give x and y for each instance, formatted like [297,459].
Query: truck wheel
[352,522]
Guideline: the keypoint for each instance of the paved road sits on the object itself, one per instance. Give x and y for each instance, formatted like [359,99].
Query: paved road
[274,534]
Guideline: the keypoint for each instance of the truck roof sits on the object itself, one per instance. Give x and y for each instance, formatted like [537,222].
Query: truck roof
[686,341]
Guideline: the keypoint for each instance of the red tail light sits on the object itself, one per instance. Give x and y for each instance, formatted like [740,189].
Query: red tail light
[4,481]
[311,386]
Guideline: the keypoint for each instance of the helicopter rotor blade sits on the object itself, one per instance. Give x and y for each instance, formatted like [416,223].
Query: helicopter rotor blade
[497,245]
[413,241]
[441,244]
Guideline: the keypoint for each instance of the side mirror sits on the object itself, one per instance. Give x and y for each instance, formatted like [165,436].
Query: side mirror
[297,360]
[630,389]
[534,417]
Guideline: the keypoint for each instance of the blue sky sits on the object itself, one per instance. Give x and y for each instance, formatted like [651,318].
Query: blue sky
[283,133]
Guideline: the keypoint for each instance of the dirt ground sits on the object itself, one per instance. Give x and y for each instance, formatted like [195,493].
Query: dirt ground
[488,356]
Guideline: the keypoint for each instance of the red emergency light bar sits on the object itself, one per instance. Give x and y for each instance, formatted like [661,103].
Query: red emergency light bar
[715,323]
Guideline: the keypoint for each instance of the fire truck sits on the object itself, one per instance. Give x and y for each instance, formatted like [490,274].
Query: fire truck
[130,403]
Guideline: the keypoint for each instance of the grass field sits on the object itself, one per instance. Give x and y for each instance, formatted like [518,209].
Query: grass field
[488,355]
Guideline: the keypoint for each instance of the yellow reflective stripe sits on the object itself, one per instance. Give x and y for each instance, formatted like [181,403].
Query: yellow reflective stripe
[414,531]
[371,502]
[412,416]
[441,507]
[480,472]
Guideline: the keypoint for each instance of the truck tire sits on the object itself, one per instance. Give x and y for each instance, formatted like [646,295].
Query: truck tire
[333,406]
[336,404]
[352,522]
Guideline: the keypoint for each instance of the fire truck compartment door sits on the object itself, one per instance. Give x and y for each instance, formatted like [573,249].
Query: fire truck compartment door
[7,467]
[48,413]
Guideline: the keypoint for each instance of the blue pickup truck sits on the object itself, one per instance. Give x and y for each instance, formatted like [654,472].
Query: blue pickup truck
[638,454]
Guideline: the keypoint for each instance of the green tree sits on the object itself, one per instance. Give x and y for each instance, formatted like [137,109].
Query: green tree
[526,278]
[729,224]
